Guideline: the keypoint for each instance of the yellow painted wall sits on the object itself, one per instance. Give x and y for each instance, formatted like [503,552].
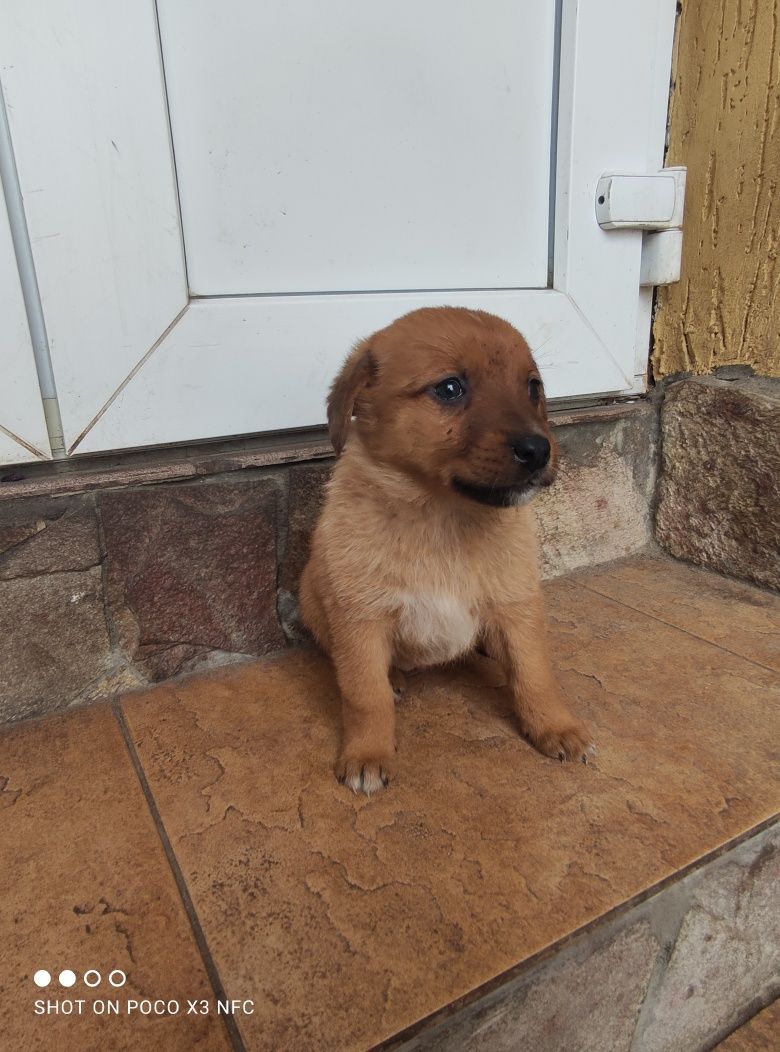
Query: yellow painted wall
[725,126]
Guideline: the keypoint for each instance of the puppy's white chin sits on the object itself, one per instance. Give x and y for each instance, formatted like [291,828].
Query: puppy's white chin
[524,496]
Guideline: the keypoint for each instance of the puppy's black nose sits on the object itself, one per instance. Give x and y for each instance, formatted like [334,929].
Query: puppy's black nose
[532,451]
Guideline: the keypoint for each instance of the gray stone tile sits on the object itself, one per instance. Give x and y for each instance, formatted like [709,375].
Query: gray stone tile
[584,1003]
[719,495]
[53,641]
[726,953]
[191,569]
[43,535]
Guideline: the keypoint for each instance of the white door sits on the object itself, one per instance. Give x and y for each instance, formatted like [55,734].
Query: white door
[223,197]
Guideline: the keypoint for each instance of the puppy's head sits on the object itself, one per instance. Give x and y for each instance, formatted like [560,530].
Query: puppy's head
[454,398]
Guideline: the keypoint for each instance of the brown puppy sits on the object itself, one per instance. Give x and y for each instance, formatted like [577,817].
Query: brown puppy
[426,548]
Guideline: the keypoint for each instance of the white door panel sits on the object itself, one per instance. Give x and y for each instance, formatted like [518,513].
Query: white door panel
[22,425]
[86,105]
[271,365]
[343,146]
[331,148]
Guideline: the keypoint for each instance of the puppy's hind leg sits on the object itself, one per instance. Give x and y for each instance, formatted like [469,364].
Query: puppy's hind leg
[361,653]
[312,611]
[485,667]
[397,682]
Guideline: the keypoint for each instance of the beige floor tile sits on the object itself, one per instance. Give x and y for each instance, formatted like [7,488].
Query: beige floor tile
[348,919]
[737,616]
[86,885]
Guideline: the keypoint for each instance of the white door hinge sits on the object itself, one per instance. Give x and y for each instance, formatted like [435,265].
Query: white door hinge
[654,204]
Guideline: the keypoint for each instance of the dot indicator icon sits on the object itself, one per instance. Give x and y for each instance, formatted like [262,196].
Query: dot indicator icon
[67,977]
[117,977]
[92,977]
[41,977]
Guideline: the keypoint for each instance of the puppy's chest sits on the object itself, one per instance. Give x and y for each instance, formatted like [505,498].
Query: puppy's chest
[433,628]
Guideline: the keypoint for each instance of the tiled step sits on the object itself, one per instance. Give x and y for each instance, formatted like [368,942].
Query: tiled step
[86,885]
[491,899]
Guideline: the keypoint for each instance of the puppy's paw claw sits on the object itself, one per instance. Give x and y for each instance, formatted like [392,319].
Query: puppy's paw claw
[571,743]
[363,776]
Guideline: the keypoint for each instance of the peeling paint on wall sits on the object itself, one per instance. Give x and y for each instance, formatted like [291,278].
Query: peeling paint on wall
[725,126]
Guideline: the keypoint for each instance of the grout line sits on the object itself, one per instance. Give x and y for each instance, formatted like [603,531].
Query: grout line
[189,907]
[677,628]
[113,637]
[667,928]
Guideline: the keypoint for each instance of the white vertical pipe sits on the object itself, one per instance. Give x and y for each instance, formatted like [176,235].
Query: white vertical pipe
[9,177]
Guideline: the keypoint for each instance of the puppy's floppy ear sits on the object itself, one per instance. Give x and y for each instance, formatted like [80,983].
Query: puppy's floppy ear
[358,373]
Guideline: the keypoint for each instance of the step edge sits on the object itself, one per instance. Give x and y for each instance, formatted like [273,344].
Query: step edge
[399,1041]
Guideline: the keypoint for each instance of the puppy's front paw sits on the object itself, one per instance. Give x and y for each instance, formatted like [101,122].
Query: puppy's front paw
[364,774]
[570,742]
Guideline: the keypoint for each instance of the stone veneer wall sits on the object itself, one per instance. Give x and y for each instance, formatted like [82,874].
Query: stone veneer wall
[719,486]
[108,589]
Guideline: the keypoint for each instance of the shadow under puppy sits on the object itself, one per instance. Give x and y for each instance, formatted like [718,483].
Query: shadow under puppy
[425,549]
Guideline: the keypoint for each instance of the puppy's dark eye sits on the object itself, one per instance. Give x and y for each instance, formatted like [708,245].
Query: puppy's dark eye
[535,390]
[450,389]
